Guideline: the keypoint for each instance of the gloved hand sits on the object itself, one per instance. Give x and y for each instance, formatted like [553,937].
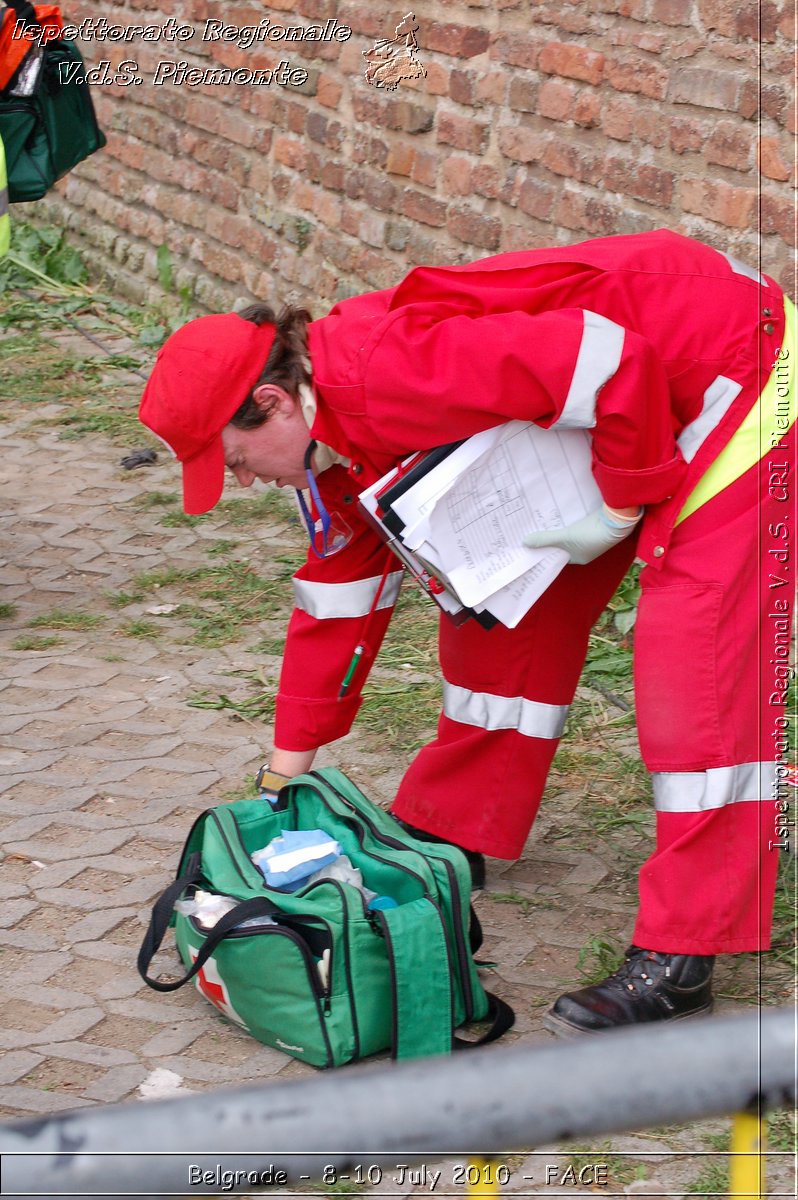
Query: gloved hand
[586,539]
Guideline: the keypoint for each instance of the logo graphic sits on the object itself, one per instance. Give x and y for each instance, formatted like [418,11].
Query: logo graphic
[390,60]
[212,986]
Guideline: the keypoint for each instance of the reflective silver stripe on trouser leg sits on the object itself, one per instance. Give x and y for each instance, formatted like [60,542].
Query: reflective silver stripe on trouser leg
[326,600]
[528,717]
[701,791]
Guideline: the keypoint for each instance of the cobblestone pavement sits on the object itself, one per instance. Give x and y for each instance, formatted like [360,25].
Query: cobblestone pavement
[105,765]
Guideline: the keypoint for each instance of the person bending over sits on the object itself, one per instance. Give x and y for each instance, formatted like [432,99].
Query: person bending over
[667,351]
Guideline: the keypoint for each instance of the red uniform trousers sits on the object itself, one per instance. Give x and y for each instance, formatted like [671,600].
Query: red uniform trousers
[709,674]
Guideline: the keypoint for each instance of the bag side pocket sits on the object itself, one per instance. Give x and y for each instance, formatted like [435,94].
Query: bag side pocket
[267,981]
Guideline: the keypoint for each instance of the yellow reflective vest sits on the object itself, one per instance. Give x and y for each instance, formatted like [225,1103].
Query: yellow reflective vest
[774,413]
[5,224]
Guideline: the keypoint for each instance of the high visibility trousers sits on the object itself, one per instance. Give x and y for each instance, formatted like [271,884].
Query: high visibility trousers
[506,694]
[712,655]
[710,649]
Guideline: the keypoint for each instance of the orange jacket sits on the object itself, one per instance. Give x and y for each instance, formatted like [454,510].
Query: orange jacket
[14,48]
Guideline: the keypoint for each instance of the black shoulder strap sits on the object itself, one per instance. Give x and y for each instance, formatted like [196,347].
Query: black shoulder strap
[501,1018]
[24,10]
[245,911]
[162,915]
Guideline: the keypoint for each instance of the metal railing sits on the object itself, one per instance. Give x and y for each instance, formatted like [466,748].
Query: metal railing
[490,1101]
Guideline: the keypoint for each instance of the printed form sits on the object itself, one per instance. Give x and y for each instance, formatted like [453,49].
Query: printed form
[467,518]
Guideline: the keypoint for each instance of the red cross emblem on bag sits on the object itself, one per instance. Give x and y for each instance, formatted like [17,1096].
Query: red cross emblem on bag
[213,988]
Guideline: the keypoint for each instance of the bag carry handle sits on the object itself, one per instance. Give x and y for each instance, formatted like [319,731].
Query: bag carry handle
[258,906]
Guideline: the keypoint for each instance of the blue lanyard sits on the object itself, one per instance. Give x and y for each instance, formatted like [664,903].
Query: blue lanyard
[318,530]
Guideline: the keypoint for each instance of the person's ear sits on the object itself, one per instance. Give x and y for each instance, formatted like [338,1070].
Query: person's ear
[270,398]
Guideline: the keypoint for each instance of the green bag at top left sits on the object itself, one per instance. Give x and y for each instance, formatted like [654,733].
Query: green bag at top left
[317,972]
[49,130]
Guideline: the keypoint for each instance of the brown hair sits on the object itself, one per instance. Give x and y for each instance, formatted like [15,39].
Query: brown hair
[287,366]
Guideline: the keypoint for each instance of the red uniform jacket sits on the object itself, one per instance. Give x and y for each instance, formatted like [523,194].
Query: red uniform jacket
[641,339]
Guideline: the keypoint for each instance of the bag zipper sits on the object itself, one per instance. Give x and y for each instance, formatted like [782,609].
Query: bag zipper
[382,925]
[321,992]
[465,958]
[359,834]
[350,991]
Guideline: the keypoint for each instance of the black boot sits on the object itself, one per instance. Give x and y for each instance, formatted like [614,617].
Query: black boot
[476,861]
[647,986]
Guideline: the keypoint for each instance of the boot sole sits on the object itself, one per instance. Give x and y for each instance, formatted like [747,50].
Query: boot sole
[563,1029]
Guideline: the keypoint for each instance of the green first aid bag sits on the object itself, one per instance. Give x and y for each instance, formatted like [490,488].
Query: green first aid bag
[49,131]
[316,972]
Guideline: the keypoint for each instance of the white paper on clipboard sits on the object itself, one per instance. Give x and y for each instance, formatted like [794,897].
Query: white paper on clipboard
[468,515]
[531,479]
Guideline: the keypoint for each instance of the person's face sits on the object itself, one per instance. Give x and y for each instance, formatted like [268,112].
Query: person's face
[275,451]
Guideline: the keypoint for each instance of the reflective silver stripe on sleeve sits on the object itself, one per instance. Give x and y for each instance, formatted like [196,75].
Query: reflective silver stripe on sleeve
[700,791]
[3,201]
[529,717]
[597,361]
[718,399]
[325,600]
[741,268]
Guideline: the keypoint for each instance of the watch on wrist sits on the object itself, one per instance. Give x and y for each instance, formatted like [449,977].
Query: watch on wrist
[270,781]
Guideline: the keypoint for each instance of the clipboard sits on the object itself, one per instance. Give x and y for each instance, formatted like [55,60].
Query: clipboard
[404,477]
[457,514]
[375,506]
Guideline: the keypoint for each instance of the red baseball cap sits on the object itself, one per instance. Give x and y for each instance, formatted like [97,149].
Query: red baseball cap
[202,375]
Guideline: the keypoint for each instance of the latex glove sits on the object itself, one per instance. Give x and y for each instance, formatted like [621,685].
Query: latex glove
[586,539]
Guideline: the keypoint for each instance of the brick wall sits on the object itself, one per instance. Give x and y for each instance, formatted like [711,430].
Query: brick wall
[538,122]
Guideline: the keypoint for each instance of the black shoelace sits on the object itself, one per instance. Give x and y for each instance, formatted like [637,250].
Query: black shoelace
[640,969]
